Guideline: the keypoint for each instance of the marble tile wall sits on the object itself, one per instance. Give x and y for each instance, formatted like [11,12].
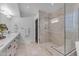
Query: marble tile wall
[56,31]
[52,32]
[43,27]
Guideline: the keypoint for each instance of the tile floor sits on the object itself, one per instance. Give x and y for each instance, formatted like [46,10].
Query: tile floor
[33,49]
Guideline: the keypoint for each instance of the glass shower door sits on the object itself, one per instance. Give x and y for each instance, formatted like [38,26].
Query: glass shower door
[71,27]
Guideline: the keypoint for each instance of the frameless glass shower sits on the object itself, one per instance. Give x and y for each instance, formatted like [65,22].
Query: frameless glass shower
[51,30]
[71,27]
[60,29]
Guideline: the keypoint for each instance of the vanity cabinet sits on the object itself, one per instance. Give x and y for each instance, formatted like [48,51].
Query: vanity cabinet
[10,49]
[9,45]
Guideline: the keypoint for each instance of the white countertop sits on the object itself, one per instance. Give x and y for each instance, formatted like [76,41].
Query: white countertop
[9,38]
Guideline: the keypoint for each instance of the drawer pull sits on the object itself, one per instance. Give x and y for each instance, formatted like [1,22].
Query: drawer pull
[9,46]
[14,40]
[14,46]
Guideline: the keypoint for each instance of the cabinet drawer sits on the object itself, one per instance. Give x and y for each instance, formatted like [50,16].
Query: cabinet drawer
[9,48]
[12,48]
[9,53]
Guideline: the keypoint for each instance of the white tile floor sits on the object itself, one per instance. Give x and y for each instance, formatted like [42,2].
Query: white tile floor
[33,49]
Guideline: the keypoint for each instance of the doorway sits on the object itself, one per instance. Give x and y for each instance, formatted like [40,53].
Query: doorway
[36,30]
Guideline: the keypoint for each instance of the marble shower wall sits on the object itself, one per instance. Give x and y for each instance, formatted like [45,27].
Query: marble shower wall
[43,27]
[56,30]
[49,31]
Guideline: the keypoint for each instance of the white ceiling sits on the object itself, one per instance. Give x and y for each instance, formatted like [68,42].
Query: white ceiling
[29,9]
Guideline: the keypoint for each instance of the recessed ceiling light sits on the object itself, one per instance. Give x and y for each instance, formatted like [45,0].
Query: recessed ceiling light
[52,4]
[28,6]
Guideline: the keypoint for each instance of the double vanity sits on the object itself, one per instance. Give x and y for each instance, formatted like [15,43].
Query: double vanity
[8,45]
